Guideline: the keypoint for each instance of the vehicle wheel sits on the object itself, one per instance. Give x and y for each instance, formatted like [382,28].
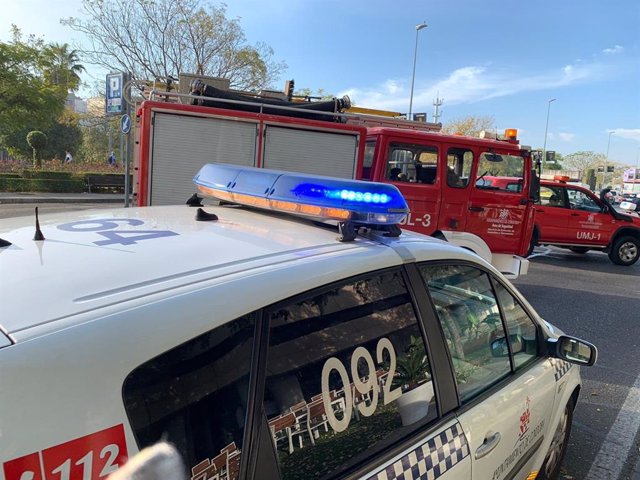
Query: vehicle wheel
[551,465]
[625,251]
[534,241]
[579,249]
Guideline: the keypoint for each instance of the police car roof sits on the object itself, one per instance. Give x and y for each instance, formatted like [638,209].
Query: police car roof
[98,258]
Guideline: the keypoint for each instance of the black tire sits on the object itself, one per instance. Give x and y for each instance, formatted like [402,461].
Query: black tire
[579,249]
[625,251]
[534,241]
[551,466]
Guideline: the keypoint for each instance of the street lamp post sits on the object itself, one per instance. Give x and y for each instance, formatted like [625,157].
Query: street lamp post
[606,160]
[546,129]
[415,56]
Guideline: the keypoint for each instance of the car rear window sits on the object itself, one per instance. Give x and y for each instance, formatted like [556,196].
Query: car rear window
[195,397]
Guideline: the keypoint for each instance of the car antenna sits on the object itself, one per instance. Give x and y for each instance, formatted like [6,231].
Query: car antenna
[202,216]
[194,201]
[38,235]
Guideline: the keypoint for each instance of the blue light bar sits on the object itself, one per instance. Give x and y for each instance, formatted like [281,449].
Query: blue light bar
[309,195]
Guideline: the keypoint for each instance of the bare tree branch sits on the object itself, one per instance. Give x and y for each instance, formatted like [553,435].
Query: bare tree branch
[162,38]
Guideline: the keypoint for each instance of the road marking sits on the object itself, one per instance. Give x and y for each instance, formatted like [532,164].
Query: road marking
[616,446]
[545,251]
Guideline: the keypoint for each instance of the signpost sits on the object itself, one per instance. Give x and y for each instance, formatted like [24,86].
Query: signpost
[115,104]
[117,84]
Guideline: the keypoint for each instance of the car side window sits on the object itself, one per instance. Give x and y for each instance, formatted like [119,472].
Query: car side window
[195,396]
[459,163]
[408,162]
[581,201]
[522,331]
[551,196]
[471,321]
[347,375]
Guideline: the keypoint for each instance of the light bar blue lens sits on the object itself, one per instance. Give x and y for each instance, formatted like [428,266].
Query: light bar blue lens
[369,202]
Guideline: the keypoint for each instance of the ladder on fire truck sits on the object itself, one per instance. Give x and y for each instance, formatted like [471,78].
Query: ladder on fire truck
[353,115]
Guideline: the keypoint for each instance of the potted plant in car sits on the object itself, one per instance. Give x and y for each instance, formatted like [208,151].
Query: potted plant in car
[413,376]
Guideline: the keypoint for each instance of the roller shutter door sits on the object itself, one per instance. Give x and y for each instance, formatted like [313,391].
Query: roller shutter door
[183,144]
[319,153]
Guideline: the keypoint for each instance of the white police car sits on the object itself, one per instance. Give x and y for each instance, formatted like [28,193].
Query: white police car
[264,348]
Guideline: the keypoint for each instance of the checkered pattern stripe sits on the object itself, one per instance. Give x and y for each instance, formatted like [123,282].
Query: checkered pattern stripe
[560,367]
[433,458]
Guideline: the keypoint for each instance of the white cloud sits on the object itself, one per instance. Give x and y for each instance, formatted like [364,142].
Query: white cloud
[613,51]
[566,137]
[629,133]
[470,84]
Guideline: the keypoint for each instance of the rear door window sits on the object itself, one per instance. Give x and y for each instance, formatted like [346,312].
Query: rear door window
[195,397]
[347,376]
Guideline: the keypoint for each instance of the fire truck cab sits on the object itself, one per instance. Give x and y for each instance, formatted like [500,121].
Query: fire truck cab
[468,190]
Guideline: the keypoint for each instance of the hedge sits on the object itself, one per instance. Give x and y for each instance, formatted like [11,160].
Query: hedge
[42,185]
[49,175]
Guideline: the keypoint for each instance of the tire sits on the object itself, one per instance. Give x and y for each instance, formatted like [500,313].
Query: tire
[579,249]
[552,462]
[534,241]
[625,251]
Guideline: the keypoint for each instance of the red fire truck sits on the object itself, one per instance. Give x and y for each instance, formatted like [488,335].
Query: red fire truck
[441,176]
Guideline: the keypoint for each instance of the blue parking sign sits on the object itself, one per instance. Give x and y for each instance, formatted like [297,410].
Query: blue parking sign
[114,93]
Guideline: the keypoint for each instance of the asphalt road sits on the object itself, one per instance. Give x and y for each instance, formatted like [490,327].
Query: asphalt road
[591,298]
[586,296]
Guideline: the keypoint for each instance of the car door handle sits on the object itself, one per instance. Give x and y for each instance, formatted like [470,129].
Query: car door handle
[476,209]
[541,210]
[490,442]
[575,214]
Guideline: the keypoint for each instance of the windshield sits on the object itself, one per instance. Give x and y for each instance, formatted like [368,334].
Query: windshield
[500,171]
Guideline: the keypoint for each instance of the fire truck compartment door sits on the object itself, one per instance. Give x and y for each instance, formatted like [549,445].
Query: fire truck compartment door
[182,144]
[314,152]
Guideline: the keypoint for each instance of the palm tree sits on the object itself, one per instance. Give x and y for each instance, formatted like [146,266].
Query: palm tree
[63,66]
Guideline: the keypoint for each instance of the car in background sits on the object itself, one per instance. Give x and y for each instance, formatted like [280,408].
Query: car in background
[268,346]
[489,182]
[572,217]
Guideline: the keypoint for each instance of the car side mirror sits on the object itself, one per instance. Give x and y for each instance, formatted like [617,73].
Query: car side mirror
[573,350]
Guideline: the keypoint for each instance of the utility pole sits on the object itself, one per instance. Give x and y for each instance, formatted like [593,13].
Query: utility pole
[437,103]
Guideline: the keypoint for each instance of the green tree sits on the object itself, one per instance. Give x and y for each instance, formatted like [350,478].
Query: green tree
[62,66]
[469,125]
[65,134]
[164,38]
[37,141]
[320,94]
[28,101]
[582,161]
[95,138]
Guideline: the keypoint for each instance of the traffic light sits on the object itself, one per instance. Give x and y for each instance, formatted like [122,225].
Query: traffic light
[610,168]
[288,88]
[551,156]
[600,169]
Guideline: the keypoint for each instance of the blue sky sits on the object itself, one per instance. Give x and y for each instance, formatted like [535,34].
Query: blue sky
[489,58]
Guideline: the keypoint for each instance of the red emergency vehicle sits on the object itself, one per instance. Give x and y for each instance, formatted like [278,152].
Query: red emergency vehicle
[570,216]
[439,175]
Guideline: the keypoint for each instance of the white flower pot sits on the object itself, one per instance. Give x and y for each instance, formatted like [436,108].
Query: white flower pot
[414,404]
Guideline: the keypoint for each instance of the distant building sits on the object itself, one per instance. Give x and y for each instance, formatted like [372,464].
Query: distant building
[631,179]
[76,104]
